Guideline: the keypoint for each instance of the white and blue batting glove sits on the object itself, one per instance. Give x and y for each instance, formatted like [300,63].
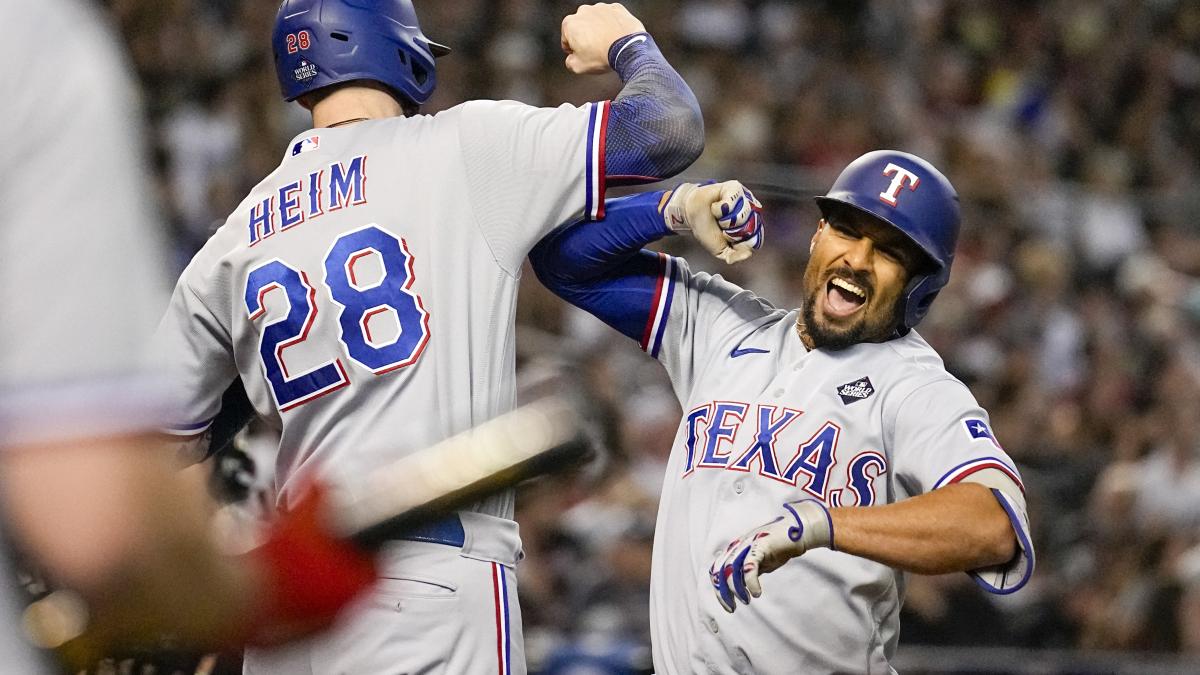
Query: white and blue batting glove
[739,215]
[724,217]
[804,525]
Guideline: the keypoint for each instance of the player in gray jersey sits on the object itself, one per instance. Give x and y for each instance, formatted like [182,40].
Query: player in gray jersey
[365,292]
[800,420]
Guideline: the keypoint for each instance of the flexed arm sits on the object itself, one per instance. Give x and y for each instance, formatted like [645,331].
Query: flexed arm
[528,170]
[654,127]
[601,266]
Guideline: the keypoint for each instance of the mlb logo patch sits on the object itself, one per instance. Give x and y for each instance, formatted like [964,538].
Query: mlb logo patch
[306,145]
[856,391]
[978,429]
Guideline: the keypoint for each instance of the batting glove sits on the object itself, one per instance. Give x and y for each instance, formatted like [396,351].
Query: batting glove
[724,217]
[740,217]
[804,525]
[310,575]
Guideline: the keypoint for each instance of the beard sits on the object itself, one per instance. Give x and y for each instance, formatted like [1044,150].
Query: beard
[825,336]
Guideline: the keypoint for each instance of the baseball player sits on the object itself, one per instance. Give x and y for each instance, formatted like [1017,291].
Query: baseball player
[826,445]
[365,291]
[87,492]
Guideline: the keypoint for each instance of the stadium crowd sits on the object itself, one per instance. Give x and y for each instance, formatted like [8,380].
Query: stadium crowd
[1072,132]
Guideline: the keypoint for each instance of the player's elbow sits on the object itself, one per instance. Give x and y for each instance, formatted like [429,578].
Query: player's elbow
[546,274]
[655,137]
[687,142]
[998,540]
[551,268]
[692,148]
[692,122]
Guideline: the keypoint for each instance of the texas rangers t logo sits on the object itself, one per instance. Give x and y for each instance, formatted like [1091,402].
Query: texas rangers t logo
[890,195]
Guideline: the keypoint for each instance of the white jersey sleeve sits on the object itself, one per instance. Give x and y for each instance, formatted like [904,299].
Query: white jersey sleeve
[82,280]
[531,169]
[694,316]
[941,436]
[197,348]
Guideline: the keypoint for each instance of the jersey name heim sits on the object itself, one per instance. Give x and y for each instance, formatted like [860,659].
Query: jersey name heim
[332,188]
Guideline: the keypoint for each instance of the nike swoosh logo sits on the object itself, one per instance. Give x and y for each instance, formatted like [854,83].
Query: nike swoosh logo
[632,41]
[738,351]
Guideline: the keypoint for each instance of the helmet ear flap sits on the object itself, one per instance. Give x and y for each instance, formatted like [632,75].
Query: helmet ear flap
[918,297]
[918,307]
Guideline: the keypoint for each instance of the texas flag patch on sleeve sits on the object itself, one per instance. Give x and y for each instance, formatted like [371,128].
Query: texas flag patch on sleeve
[978,429]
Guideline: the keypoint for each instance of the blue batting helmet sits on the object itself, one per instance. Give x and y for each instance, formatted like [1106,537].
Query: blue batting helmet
[322,42]
[907,193]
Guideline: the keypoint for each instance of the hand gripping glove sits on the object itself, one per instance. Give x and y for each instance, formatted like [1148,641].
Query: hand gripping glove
[804,525]
[309,574]
[724,217]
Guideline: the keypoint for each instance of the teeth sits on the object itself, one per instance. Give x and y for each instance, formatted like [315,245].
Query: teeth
[847,286]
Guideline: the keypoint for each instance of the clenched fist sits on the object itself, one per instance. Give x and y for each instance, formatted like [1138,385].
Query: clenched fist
[591,30]
[725,218]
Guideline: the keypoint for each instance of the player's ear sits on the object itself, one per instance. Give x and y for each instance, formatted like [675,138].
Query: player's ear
[812,243]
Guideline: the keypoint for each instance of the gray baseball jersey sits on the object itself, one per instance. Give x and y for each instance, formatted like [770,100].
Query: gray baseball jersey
[82,280]
[365,291]
[767,421]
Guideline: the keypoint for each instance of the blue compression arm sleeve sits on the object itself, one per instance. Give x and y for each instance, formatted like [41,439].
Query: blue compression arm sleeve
[600,266]
[655,128]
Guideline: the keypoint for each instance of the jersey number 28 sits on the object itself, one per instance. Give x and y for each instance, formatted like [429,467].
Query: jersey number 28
[359,301]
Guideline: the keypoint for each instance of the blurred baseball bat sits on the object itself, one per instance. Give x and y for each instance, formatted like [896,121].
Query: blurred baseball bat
[542,437]
[536,439]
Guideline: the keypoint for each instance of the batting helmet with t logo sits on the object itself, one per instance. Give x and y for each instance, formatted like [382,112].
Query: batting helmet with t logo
[907,193]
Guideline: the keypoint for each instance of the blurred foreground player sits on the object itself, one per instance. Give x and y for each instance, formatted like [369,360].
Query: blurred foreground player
[834,425]
[365,293]
[88,493]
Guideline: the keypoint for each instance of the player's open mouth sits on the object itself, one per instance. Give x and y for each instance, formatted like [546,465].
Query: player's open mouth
[843,298]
